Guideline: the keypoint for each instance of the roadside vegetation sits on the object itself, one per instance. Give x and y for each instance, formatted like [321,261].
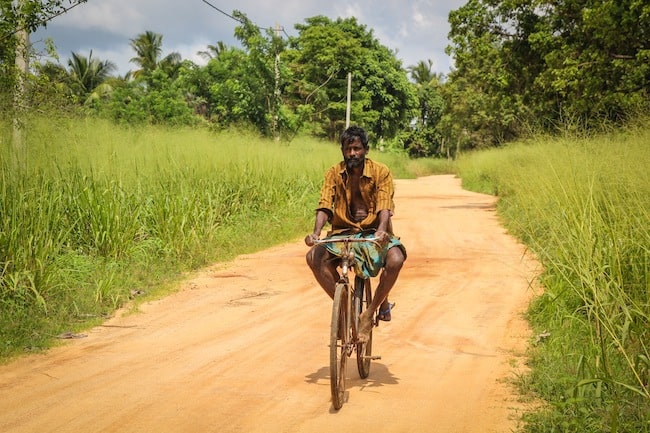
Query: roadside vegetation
[103,214]
[582,206]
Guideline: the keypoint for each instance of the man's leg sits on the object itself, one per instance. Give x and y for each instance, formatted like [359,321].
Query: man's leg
[394,261]
[324,266]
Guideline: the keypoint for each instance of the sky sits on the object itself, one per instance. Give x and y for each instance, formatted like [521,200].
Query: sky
[416,29]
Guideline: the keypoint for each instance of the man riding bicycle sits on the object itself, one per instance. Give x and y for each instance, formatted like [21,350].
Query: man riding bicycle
[357,197]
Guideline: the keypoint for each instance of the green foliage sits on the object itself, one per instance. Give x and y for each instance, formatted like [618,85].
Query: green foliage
[482,106]
[232,95]
[26,15]
[159,101]
[541,64]
[102,212]
[87,74]
[30,14]
[148,48]
[582,206]
[519,67]
[423,142]
[321,57]
[425,138]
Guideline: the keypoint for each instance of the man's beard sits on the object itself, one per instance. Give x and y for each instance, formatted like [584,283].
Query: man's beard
[354,162]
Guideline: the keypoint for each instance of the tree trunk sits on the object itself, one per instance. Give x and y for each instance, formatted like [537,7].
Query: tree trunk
[22,56]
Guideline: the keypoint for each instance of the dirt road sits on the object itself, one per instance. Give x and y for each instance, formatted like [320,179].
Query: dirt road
[243,347]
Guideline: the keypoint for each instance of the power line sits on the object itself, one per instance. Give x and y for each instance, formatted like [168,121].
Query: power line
[241,21]
[225,13]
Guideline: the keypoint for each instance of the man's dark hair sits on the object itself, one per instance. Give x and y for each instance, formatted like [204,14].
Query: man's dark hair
[353,133]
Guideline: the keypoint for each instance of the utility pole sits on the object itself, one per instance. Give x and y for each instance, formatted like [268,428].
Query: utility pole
[276,93]
[347,110]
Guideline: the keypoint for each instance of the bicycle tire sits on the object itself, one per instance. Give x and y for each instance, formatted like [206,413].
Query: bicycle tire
[363,292]
[339,341]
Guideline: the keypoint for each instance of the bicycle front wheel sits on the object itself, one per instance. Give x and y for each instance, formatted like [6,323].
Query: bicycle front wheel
[339,341]
[362,299]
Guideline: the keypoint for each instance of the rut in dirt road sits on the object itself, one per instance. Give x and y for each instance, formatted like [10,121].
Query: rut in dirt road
[243,347]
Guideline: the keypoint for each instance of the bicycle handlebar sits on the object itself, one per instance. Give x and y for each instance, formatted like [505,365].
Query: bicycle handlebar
[350,239]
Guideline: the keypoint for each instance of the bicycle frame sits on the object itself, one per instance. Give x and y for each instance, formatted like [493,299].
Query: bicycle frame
[347,261]
[346,308]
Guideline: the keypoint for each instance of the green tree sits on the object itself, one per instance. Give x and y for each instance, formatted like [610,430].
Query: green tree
[482,110]
[321,57]
[597,58]
[231,93]
[155,95]
[428,84]
[16,16]
[213,51]
[87,73]
[171,64]
[263,66]
[544,63]
[424,139]
[160,101]
[148,48]
[422,73]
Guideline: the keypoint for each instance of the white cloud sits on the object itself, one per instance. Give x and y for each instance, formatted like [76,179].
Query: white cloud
[419,19]
[107,15]
[350,10]
[189,51]
[417,29]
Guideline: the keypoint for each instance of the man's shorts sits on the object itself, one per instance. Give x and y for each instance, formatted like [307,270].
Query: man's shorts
[369,258]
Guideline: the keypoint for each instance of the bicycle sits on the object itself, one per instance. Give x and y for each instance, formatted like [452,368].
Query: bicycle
[349,303]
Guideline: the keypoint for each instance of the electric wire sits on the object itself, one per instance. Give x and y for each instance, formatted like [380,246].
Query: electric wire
[239,20]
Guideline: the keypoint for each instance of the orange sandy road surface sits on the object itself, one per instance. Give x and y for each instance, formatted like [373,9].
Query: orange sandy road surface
[243,347]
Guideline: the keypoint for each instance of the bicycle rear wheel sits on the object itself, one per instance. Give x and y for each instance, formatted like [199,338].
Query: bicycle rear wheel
[339,341]
[362,299]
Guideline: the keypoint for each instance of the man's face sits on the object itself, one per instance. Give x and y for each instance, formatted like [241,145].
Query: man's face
[354,154]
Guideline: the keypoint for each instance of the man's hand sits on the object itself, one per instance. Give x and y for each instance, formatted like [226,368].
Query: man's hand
[310,239]
[382,236]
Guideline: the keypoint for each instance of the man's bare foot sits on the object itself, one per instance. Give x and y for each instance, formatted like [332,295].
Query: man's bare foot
[365,326]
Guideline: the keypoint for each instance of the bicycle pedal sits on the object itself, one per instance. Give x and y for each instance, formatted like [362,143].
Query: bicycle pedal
[372,358]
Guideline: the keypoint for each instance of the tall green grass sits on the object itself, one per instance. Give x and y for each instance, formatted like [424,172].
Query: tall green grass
[583,207]
[100,213]
[103,212]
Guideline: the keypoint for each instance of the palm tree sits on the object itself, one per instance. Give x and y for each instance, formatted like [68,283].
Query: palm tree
[213,51]
[422,73]
[427,84]
[148,47]
[171,64]
[86,73]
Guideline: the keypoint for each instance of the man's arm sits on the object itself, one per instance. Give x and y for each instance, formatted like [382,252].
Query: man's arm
[383,228]
[321,219]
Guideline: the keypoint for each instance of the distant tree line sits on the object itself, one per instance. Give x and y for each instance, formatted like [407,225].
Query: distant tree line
[518,66]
